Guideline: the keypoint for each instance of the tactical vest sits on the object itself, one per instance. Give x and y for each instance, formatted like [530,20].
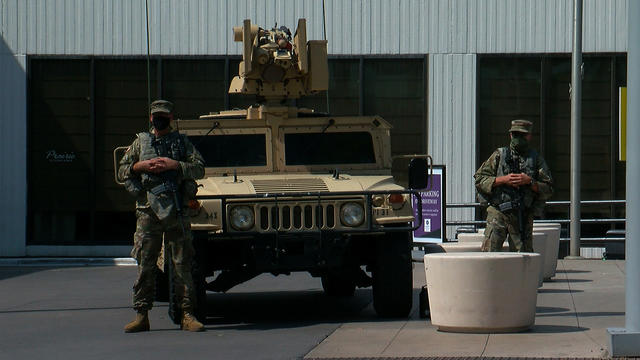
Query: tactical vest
[515,164]
[170,145]
[165,189]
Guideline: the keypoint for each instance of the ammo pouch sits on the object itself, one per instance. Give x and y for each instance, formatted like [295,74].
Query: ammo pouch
[508,206]
[134,187]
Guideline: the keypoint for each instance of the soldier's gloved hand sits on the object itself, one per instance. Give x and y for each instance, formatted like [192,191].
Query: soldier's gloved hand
[162,164]
[513,180]
[143,166]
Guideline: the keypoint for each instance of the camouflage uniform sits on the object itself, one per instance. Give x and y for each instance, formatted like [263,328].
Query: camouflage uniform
[156,215]
[500,224]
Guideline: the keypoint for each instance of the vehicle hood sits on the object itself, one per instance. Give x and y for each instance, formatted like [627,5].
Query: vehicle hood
[269,184]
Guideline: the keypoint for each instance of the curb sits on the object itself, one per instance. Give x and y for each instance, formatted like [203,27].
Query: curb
[47,261]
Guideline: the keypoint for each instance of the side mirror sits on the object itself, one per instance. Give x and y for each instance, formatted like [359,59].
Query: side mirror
[412,171]
[418,176]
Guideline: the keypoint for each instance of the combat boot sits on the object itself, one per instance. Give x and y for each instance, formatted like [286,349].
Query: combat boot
[190,323]
[141,323]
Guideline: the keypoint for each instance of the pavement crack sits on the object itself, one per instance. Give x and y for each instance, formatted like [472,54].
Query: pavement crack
[394,337]
[485,346]
[575,309]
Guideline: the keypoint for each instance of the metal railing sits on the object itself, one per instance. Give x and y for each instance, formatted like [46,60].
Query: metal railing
[561,221]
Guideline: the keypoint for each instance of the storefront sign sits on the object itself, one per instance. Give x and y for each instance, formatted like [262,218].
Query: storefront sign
[54,157]
[433,227]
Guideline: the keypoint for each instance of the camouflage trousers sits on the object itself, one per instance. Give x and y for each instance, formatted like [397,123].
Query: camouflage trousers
[147,245]
[500,224]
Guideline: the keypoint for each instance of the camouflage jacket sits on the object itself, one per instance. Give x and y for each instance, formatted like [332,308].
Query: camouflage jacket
[140,185]
[532,164]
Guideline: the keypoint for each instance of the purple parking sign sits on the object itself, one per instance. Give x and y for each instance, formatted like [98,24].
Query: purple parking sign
[432,227]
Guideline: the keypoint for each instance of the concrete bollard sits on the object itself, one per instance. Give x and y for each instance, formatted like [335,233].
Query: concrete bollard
[482,292]
[470,237]
[551,249]
[539,243]
[467,246]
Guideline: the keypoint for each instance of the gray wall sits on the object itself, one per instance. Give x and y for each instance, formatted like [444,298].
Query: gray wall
[452,126]
[203,27]
[13,154]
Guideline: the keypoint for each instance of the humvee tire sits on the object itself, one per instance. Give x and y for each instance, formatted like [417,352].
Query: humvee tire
[336,285]
[393,275]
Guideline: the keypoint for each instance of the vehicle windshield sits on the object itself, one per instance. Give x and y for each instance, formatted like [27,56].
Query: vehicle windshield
[329,148]
[232,150]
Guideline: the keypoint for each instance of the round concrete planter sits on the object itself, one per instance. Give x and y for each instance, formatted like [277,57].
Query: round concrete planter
[540,246]
[467,246]
[482,292]
[551,249]
[467,237]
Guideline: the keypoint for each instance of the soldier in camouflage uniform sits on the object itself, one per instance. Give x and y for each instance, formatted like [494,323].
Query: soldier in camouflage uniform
[159,169]
[513,177]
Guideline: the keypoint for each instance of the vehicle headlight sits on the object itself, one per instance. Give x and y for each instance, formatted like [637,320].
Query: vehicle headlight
[352,214]
[242,218]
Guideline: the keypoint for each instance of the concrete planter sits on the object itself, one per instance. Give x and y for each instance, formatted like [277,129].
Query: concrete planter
[482,292]
[470,237]
[551,249]
[467,246]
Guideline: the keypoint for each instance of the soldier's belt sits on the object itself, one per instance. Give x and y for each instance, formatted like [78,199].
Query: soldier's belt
[509,206]
[162,188]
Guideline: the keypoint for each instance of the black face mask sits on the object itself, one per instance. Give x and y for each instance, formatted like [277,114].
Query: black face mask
[160,122]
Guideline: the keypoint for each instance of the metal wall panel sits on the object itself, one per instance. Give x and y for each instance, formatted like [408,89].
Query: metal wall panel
[203,27]
[452,127]
[13,155]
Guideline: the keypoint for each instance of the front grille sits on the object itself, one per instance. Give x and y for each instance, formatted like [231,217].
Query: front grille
[299,216]
[289,185]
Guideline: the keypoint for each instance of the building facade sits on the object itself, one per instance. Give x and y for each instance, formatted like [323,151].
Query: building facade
[448,74]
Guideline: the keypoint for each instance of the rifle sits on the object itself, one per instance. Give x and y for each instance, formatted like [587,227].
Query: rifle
[517,195]
[169,181]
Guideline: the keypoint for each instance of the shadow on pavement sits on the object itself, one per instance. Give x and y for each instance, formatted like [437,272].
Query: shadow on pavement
[558,291]
[549,309]
[285,309]
[551,329]
[586,314]
[573,271]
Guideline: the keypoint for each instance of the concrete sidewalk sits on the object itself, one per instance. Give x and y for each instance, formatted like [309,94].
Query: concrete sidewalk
[573,312]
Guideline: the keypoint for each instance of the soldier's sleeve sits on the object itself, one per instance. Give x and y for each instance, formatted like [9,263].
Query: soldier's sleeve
[485,176]
[193,165]
[131,156]
[544,180]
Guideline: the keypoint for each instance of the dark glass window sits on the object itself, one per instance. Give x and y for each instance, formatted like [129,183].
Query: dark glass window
[329,148]
[232,150]
[344,89]
[196,87]
[395,90]
[538,89]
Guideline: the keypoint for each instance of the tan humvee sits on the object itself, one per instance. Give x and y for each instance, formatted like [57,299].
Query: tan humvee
[288,189]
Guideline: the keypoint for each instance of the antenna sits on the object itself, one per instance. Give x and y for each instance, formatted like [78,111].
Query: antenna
[146,7]
[324,30]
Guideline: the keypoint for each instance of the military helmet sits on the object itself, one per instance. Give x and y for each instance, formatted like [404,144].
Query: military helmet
[523,126]
[161,106]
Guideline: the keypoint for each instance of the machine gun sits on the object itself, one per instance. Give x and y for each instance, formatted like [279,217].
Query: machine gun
[276,67]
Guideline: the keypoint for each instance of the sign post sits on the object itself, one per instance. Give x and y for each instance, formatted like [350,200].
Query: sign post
[433,227]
